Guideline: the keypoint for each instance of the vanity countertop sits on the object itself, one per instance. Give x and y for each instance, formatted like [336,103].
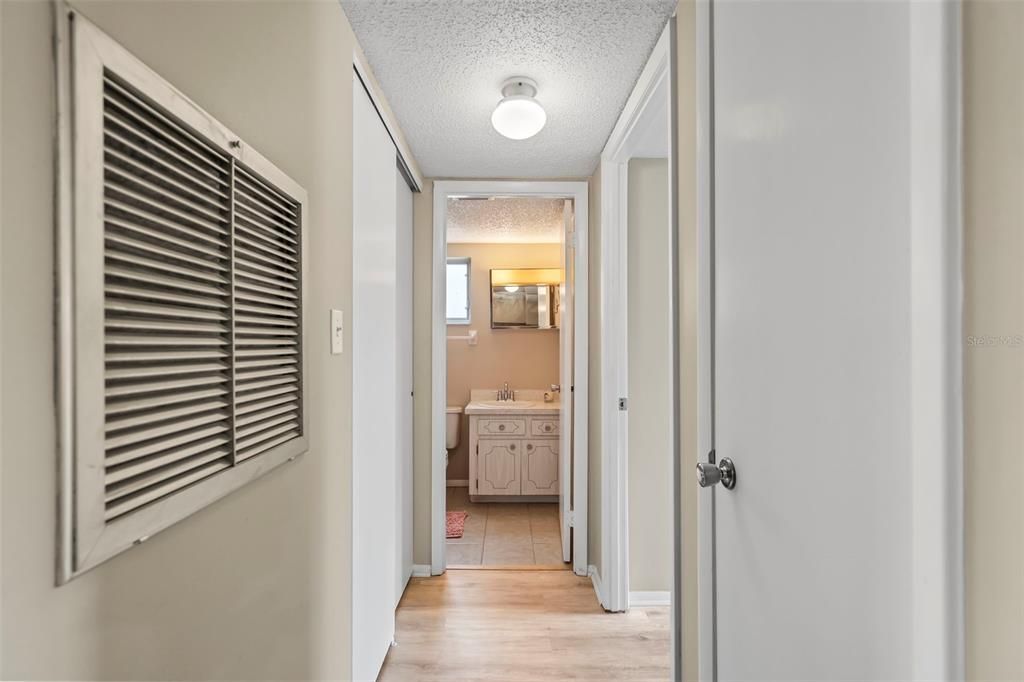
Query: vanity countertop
[527,402]
[518,407]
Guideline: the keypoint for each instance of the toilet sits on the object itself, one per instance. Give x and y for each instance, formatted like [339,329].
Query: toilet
[451,430]
[451,440]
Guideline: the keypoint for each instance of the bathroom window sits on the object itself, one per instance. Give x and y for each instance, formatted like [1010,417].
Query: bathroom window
[458,291]
[181,294]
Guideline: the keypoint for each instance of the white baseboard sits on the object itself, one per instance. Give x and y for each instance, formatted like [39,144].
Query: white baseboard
[650,599]
[458,483]
[421,570]
[595,578]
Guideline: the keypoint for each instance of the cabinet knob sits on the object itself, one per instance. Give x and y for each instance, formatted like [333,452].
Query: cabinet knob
[512,447]
[529,447]
[501,427]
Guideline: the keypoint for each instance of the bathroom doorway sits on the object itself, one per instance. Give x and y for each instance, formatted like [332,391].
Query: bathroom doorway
[509,478]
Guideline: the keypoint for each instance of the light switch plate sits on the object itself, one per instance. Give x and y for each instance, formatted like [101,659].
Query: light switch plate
[337,332]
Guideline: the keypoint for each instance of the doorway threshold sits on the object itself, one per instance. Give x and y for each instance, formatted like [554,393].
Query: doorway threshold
[523,567]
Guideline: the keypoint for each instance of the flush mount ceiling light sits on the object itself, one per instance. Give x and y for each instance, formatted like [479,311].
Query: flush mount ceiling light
[518,115]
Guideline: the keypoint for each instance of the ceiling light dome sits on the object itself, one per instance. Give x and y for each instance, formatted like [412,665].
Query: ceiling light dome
[519,115]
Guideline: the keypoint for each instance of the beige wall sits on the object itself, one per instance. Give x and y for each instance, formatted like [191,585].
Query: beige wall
[422,329]
[994,328]
[650,387]
[525,358]
[257,586]
[686,170]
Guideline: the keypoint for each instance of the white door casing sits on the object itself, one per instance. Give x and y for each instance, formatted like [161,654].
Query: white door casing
[404,380]
[828,241]
[566,373]
[578,192]
[642,131]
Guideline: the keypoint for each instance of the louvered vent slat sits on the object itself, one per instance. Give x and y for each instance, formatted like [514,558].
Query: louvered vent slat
[115,459]
[265,247]
[121,306]
[258,225]
[164,483]
[167,293]
[159,259]
[267,317]
[163,401]
[264,238]
[201,447]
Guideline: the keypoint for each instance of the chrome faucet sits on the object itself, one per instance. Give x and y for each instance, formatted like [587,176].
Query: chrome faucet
[505,393]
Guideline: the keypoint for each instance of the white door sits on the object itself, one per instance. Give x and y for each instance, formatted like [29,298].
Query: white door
[565,337]
[811,368]
[403,392]
[374,353]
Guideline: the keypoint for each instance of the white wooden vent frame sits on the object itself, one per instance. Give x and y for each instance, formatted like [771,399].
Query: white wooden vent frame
[181,258]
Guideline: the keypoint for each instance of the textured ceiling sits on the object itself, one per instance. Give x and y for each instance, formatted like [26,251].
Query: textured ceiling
[505,221]
[441,64]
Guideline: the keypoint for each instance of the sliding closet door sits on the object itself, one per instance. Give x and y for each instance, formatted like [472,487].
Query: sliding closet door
[403,411]
[374,354]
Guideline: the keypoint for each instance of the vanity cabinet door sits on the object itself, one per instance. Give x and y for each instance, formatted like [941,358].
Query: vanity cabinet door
[540,467]
[498,467]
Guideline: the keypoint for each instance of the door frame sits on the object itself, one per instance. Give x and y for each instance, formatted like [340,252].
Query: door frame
[936,339]
[578,191]
[627,141]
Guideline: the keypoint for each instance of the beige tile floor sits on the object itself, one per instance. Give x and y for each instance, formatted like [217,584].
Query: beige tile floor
[505,534]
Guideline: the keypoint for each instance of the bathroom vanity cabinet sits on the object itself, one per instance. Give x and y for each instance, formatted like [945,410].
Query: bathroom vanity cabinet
[514,454]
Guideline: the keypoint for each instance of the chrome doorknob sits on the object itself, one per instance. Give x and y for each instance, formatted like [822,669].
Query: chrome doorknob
[723,472]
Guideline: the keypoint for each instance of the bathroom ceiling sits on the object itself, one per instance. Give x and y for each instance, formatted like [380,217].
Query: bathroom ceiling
[441,64]
[505,221]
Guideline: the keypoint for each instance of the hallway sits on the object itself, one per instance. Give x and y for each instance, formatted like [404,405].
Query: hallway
[519,626]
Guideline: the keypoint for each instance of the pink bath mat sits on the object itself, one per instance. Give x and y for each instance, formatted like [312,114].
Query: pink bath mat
[455,524]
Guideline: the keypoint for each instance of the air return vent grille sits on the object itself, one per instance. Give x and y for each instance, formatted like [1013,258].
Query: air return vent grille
[267,317]
[181,307]
[167,297]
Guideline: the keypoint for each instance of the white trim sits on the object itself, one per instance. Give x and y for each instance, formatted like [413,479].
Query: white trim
[64,282]
[705,503]
[458,482]
[595,579]
[936,419]
[438,389]
[421,570]
[621,146]
[655,72]
[407,162]
[578,192]
[645,598]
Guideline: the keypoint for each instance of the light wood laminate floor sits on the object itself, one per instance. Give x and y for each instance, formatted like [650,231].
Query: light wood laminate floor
[504,534]
[521,626]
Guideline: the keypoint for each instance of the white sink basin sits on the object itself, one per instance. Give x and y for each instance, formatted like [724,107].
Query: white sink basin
[505,404]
